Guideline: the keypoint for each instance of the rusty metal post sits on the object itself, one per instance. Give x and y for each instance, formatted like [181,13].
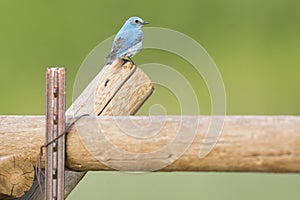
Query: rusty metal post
[55,126]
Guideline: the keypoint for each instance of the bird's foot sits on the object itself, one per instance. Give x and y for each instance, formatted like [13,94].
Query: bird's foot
[128,59]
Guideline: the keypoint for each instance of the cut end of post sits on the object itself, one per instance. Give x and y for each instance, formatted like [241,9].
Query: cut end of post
[17,175]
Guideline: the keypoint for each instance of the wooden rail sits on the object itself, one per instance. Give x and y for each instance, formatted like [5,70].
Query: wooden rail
[246,143]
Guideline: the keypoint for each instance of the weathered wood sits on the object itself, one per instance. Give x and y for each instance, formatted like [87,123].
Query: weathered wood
[119,89]
[103,88]
[16,176]
[124,78]
[247,143]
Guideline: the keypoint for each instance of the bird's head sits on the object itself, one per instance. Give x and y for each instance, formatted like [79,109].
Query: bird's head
[135,22]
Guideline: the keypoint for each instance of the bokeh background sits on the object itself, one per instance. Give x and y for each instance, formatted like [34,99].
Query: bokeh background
[254,43]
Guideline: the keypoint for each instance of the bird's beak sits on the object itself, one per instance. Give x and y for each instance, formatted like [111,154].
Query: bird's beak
[144,23]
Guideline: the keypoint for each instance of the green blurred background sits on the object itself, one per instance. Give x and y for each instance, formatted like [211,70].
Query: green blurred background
[255,45]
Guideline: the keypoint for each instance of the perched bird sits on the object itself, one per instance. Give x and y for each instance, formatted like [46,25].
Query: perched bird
[128,40]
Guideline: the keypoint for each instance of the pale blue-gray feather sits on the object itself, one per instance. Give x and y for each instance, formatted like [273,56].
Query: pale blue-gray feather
[128,40]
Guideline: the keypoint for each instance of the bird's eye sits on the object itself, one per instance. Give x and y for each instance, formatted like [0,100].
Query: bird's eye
[136,21]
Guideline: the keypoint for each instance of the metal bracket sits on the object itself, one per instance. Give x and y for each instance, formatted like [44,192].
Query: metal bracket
[55,126]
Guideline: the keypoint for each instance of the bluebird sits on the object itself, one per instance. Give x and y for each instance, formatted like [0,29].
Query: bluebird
[128,40]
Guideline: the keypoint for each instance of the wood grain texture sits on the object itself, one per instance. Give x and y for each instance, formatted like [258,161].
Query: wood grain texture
[246,143]
[101,90]
[16,176]
[126,91]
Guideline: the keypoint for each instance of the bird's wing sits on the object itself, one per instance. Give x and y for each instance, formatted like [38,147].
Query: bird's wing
[123,41]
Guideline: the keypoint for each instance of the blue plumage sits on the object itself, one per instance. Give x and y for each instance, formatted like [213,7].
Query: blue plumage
[128,40]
